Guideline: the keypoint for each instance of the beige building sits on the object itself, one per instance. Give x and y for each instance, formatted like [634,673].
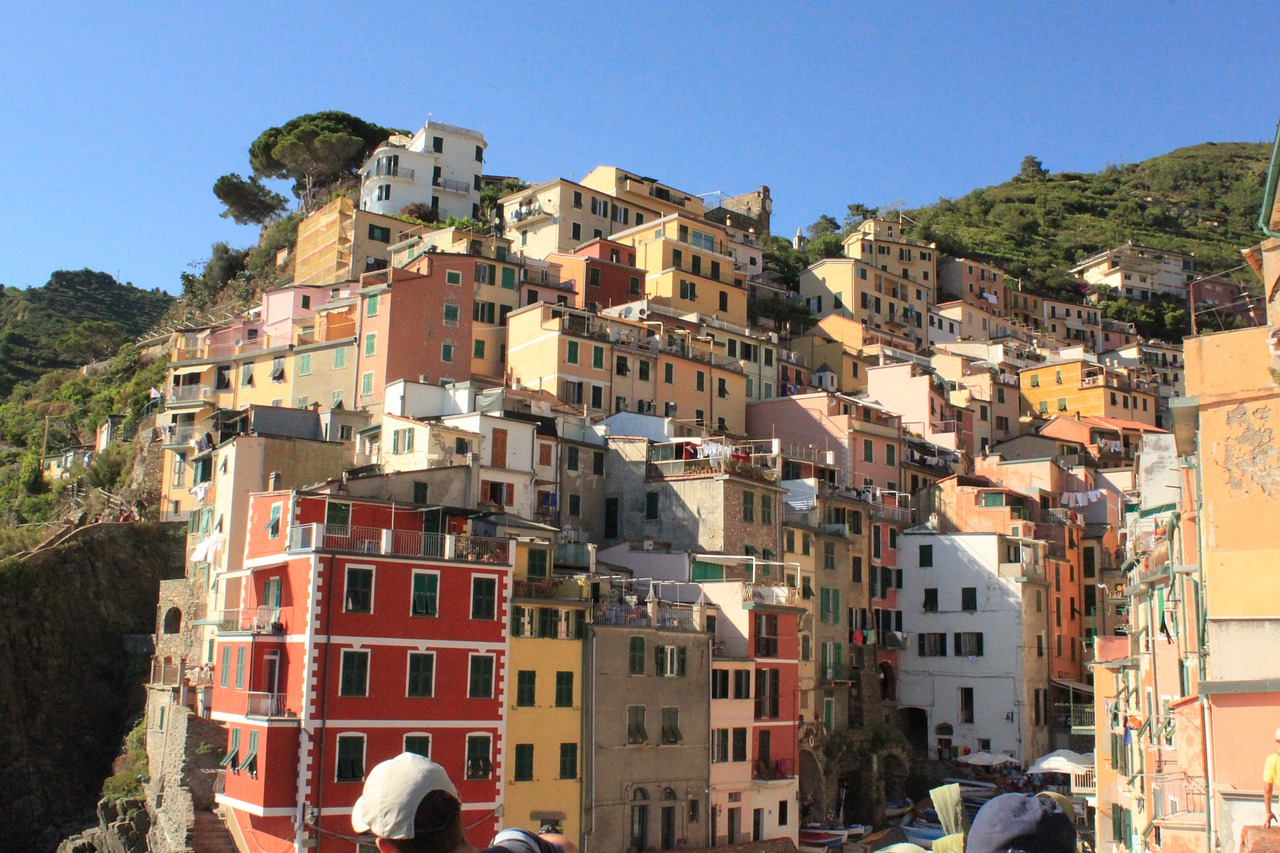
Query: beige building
[1139,272]
[339,242]
[856,289]
[560,215]
[884,245]
[634,190]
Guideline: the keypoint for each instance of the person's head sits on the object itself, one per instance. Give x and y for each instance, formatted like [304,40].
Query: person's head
[1023,823]
[410,805]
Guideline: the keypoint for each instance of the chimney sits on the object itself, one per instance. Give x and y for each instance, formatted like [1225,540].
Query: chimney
[273,481]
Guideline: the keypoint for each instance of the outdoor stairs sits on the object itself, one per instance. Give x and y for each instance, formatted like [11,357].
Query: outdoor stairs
[210,835]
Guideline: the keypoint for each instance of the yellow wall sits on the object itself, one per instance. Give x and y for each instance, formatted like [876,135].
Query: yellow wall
[1085,400]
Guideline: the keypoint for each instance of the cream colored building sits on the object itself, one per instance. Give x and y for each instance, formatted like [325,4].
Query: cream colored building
[560,215]
[339,242]
[884,245]
[1139,272]
[856,289]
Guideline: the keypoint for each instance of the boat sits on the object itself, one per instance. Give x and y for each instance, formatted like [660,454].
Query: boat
[814,848]
[897,808]
[818,837]
[922,834]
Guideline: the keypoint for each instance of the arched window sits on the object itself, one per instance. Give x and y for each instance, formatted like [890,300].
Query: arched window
[172,621]
[640,820]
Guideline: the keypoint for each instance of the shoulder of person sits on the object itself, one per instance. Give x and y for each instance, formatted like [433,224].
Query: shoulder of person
[520,841]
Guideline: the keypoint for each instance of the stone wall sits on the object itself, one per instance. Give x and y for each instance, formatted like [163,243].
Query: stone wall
[183,760]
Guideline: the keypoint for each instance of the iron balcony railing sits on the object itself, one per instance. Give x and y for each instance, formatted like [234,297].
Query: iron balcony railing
[269,705]
[253,620]
[1076,716]
[400,543]
[451,186]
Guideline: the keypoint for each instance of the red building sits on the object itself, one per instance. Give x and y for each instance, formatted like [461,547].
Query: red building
[362,632]
[602,274]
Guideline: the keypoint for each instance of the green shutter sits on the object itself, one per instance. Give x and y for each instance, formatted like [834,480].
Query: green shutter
[508,278]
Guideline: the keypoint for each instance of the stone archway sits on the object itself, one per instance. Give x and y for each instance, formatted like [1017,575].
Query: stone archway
[914,723]
[172,621]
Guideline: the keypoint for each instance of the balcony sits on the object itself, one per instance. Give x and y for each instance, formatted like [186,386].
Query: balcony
[268,706]
[176,436]
[550,589]
[1084,783]
[166,673]
[383,170]
[400,543]
[451,186]
[1079,718]
[1023,572]
[180,395]
[772,770]
[251,620]
[531,211]
[651,615]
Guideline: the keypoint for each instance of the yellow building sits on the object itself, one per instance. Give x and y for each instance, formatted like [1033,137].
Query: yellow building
[339,242]
[643,192]
[557,216]
[689,266]
[542,776]
[607,364]
[858,290]
[883,245]
[1084,388]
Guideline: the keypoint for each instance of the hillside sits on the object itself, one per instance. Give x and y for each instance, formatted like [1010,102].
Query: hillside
[78,316]
[1202,199]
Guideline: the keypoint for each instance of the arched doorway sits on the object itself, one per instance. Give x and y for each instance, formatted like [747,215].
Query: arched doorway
[914,723]
[172,621]
[944,731]
[888,682]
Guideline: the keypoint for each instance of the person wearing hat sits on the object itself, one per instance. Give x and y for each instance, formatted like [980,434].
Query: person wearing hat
[1024,823]
[410,805]
[1271,778]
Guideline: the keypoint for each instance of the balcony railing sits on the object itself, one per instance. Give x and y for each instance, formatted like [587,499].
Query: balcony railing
[384,171]
[1084,782]
[188,394]
[1076,716]
[252,620]
[400,543]
[270,705]
[779,769]
[652,615]
[168,674]
[174,435]
[451,186]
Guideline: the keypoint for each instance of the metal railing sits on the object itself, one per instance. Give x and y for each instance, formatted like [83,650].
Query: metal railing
[400,543]
[652,615]
[188,393]
[452,186]
[383,171]
[1076,716]
[266,705]
[1084,782]
[255,620]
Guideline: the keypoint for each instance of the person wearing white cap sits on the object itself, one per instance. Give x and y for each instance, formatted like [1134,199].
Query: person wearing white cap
[410,806]
[1271,778]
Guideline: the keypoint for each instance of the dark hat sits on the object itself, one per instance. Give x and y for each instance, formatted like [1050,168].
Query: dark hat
[1023,823]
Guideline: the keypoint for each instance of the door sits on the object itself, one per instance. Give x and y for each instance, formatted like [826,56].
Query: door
[610,518]
[757,824]
[271,672]
[498,453]
[735,824]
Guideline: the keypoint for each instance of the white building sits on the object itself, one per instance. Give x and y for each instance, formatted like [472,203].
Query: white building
[440,166]
[975,674]
[1139,272]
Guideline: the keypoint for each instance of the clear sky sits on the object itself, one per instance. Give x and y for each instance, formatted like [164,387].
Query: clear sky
[119,117]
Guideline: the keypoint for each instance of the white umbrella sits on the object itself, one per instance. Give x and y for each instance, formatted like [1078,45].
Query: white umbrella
[1062,761]
[986,759]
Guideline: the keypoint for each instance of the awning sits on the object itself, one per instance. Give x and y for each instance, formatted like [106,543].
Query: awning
[1075,686]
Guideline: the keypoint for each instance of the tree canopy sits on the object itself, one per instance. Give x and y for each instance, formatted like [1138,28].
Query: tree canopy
[316,151]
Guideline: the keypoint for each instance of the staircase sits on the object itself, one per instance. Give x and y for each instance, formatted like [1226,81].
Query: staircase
[210,835]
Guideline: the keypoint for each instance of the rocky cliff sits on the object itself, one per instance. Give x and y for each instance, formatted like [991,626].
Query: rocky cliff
[69,684]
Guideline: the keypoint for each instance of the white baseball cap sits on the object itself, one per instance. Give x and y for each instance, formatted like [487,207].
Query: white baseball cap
[1277,734]
[393,792]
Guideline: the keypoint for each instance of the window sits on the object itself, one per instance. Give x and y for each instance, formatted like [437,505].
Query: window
[402,440]
[670,660]
[484,598]
[671,726]
[571,459]
[426,587]
[418,745]
[931,600]
[597,463]
[1035,380]
[748,506]
[720,684]
[575,505]
[568,761]
[246,374]
[828,555]
[742,684]
[926,556]
[719,746]
[969,598]
[479,752]
[739,744]
[651,506]
[379,233]
[564,689]
[422,675]
[350,758]
[576,231]
[526,687]
[636,656]
[359,596]
[480,680]
[524,763]
[931,645]
[304,364]
[635,725]
[571,352]
[273,523]
[240,672]
[339,358]
[354,679]
[366,384]
[966,704]
[868,450]
[968,644]
[371,306]
[597,358]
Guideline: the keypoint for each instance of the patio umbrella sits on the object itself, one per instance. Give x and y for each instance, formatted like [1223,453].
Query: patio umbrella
[1062,761]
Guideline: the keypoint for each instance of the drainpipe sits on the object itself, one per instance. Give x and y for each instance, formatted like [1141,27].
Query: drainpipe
[1269,193]
[590,829]
[1206,725]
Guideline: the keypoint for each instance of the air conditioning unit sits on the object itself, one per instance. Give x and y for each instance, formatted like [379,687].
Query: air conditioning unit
[238,342]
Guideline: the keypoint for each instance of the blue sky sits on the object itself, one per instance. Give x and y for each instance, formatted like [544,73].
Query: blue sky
[118,118]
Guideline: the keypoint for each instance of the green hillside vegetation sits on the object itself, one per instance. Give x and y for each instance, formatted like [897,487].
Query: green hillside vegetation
[1200,200]
[77,317]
